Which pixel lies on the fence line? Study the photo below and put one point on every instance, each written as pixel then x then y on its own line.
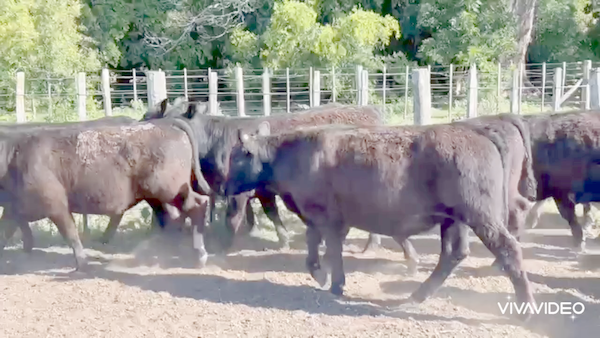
pixel 441 92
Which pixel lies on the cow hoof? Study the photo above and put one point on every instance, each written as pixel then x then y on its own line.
pixel 417 298
pixel 337 289
pixel 320 275
pixel 201 262
pixel 579 248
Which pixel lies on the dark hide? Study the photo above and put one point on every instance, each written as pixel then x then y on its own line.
pixel 102 170
pixel 26 233
pixel 395 181
pixel 217 135
pixel 566 153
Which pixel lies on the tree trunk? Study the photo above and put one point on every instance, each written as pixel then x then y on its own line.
pixel 524 10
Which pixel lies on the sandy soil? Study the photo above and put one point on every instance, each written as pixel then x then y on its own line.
pixel 144 286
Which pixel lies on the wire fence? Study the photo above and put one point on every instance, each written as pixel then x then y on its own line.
pixel 53 99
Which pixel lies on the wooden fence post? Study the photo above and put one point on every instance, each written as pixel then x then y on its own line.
pixel 157 87
pixel 81 97
pixel 316 95
pixel 422 96
pixel 595 89
pixel 472 95
pixel 287 90
pixel 239 77
pixel 106 92
pixel 134 79
pixel 266 91
pixel 364 88
pixel 185 84
pixel 514 90
pixel 557 92
pixel 543 86
pixel 383 87
pixel 450 91
pixel 20 102
pixel 212 93
pixel 310 85
pixel 521 85
pixel 585 92
pixel 333 91
pixel 406 85
pixel 358 81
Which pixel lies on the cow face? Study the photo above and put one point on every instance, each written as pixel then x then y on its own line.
pixel 246 167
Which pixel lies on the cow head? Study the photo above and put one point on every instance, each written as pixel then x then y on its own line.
pixel 164 109
pixel 246 163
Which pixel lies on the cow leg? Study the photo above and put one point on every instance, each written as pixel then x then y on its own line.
pixel 587 216
pixel 26 236
pixel 566 208
pixel 111 229
pixel 269 204
pixel 410 254
pixel 508 251
pixel 10 227
pixel 313 264
pixel 66 226
pixel 199 217
pixel 333 256
pixel 455 248
pixel 250 219
pixel 534 214
pixel 373 242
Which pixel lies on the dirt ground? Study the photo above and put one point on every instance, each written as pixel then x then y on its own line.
pixel 145 286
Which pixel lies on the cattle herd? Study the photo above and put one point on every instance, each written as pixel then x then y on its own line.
pixel 334 166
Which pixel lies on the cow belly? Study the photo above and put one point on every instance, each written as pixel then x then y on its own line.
pixel 102 193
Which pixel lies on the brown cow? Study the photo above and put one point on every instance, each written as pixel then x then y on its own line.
pixel 396 181
pixel 101 170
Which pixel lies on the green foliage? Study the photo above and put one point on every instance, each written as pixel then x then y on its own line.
pixel 294 38
pixel 561 32
pixel 466 32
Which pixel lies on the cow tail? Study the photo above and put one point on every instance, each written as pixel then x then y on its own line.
pixel 202 183
pixel 499 141
pixel 528 183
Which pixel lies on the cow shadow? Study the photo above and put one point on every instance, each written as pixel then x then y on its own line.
pixel 551 325
pixel 264 294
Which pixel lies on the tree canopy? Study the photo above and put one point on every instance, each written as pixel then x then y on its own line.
pixel 64 36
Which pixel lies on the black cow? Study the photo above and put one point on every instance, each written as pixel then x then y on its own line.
pixel 218 134
pixel 101 170
pixel 396 181
pixel 566 150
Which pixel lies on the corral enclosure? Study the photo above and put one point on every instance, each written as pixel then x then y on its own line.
pixel 142 285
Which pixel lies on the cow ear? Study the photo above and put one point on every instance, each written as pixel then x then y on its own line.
pixel 264 129
pixel 163 107
pixel 191 111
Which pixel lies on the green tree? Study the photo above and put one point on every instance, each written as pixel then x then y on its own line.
pixel 294 38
